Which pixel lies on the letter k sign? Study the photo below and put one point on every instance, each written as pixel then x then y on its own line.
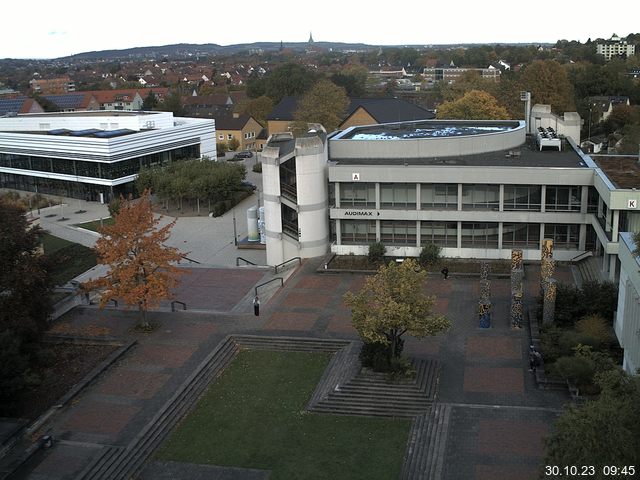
pixel 632 204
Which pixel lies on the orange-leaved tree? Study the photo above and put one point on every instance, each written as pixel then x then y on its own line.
pixel 142 270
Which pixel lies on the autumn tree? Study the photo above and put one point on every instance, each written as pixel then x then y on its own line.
pixel 326 103
pixel 549 84
pixel 257 108
pixel 392 303
pixel 474 105
pixel 142 269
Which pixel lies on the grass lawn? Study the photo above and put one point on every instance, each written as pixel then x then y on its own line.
pixel 253 417
pixel 68 259
pixel 95 225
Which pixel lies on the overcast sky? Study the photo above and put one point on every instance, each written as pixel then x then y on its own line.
pixel 47 29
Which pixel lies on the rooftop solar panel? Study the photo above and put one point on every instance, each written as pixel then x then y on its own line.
pixel 84 133
pixel 65 102
pixel 113 133
pixel 11 105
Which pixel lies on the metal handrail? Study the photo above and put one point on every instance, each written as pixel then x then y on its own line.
pixel 173 305
pixel 275 269
pixel 265 283
pixel 190 259
pixel 582 256
pixel 244 260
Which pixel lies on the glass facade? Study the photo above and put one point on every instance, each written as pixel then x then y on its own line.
pixel 398 195
pixel 357 195
pixel 439 196
pixel 480 197
pixel 398 232
pixel 521 235
pixel 563 199
pixel 522 197
pixel 565 237
pixel 442 234
pixel 356 232
pixel 479 235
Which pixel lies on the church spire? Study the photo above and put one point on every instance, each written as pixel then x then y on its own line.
pixel 310 37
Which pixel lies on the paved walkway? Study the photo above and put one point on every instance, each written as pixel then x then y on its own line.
pixel 498 417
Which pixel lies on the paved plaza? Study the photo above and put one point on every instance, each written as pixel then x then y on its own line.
pixel 498 415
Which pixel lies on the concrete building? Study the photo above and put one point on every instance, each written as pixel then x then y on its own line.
pixel 95 155
pixel 615 47
pixel 452 74
pixel 627 321
pixel 477 189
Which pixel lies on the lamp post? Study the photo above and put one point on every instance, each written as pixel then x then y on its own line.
pixel 590 108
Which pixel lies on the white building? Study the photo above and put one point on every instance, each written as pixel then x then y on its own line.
pixel 615 47
pixel 627 322
pixel 95 155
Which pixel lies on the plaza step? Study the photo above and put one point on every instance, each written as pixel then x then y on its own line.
pixel 290 344
pixel 372 393
pixel 124 464
pixel 589 269
pixel 424 458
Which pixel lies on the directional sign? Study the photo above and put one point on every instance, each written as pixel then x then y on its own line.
pixel 355 177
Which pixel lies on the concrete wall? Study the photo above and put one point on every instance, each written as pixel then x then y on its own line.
pixel 272 209
pixel 567 125
pixel 627 321
pixel 430 147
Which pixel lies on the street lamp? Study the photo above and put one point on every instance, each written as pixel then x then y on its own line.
pixel 590 108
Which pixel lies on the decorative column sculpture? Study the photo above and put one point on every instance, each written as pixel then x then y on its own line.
pixel 517 290
pixel 546 263
pixel 484 304
pixel 549 302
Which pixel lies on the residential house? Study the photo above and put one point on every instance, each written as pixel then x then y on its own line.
pixel 361 111
pixel 52 86
pixel 74 102
pixel 243 128
pixel 11 106
pixel 119 99
pixel 601 107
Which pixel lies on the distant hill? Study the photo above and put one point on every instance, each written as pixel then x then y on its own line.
pixel 190 49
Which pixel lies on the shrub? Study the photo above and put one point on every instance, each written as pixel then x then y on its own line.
pixel 577 369
pixel 377 356
pixel 233 144
pixel 257 167
pixel 114 206
pixel 595 327
pixel 376 252
pixel 429 255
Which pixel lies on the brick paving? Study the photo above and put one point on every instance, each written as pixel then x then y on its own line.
pixel 498 419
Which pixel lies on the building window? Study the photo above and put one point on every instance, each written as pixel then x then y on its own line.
pixel 398 233
pixel 592 200
pixel 439 196
pixel 563 199
pixel 442 234
pixel 362 195
pixel 229 136
pixel 480 197
pixel 398 195
pixel 480 235
pixel 522 197
pixel 521 235
pixel 358 232
pixel 221 137
pixel 565 237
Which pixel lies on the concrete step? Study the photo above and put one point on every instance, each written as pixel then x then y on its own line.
pixel 367 412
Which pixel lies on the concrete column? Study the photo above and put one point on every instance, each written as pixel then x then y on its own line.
pixel 582 239
pixel 543 198
pixel 336 192
pixel 607 221
pixel 459 201
pixel 612 267
pixel 500 234
pixel 541 235
pixel 418 239
pixel 600 203
pixel 501 203
pixel 378 199
pixel 605 260
pixel 378 233
pixel 338 231
pixel 584 199
pixel 614 227
pixel 418 197
pixel 459 232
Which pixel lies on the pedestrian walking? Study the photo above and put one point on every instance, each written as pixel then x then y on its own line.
pixel 445 272
pixel 256 306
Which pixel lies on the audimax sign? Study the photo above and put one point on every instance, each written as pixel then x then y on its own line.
pixel 360 213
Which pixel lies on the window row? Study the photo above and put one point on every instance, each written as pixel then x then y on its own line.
pixel 474 197
pixel 445 234
pixel 82 168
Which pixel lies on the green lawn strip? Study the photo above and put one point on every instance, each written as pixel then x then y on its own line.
pixel 95 225
pixel 253 417
pixel 68 259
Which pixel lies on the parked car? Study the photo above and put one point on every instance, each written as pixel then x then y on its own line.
pixel 245 154
pixel 248 185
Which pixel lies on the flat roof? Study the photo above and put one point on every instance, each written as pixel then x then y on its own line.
pixel 92 113
pixel 426 129
pixel 622 170
pixel 525 155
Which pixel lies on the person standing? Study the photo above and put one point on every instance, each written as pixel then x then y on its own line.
pixel 445 272
pixel 256 306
